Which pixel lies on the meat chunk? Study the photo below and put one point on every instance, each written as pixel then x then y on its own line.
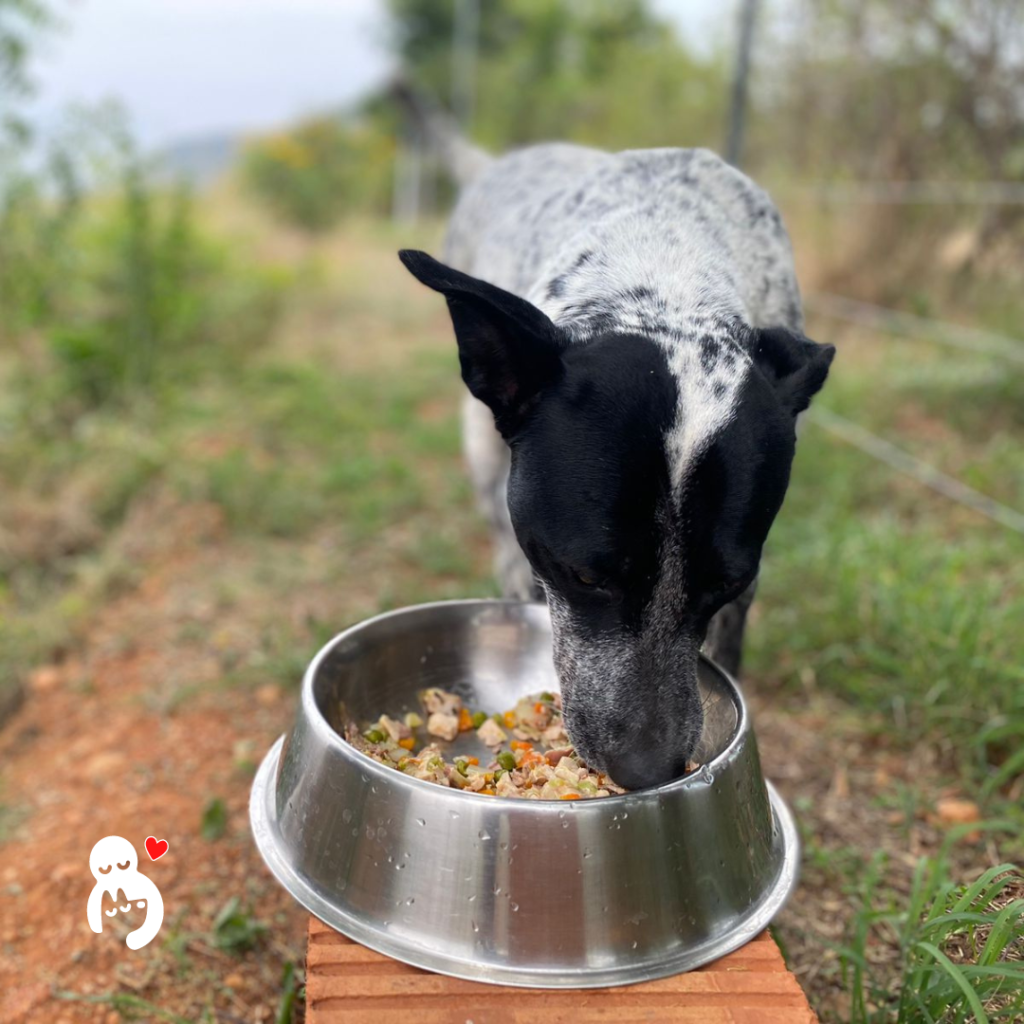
pixel 491 733
pixel 444 726
pixel 441 702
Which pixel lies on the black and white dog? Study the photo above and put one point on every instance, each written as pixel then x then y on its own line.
pixel 629 328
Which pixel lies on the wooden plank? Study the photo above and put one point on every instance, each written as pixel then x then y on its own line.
pixel 349 984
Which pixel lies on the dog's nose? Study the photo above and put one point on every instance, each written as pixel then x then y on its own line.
pixel 640 769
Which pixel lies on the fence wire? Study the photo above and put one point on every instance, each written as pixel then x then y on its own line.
pixel 884 451
pixel 878 318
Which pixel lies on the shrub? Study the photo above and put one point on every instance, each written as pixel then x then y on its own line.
pixel 314 174
pixel 112 291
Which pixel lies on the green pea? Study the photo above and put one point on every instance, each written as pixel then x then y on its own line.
pixel 478 719
pixel 506 760
pixel 374 735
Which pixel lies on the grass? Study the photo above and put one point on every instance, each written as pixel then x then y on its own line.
pixel 903 603
pixel 328 458
pixel 958 949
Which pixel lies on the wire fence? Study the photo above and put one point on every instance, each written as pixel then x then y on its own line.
pixel 892 321
pixel 896 458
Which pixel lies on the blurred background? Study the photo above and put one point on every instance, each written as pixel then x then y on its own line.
pixel 228 428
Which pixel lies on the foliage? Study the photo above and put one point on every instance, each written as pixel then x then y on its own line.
pixel 905 90
pixel 215 820
pixel 960 947
pixel 235 930
pixel 605 72
pixel 21 21
pixel 117 294
pixel 323 168
pixel 113 301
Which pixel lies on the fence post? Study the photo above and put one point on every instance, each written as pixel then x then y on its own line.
pixel 738 104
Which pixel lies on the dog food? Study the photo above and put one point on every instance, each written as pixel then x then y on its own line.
pixel 532 756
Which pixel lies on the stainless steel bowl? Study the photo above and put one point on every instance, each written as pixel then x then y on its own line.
pixel 552 894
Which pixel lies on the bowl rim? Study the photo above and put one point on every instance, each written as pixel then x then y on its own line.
pixel 327 733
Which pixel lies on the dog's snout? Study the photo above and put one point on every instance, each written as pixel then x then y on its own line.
pixel 639 769
pixel 638 750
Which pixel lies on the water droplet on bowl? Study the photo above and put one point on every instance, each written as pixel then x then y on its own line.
pixel 410 901
pixel 514 906
pixel 346 815
pixel 421 821
pixel 484 834
pixel 453 815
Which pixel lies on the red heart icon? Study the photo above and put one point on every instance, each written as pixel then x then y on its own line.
pixel 156 848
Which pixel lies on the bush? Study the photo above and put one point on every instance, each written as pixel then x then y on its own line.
pixel 314 174
pixel 110 294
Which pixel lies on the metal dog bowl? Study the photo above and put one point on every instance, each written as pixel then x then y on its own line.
pixel 552 894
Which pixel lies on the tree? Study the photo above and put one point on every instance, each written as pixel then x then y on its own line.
pixel 20 23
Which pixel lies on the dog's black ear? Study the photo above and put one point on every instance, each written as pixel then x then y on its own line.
pixel 508 349
pixel 796 366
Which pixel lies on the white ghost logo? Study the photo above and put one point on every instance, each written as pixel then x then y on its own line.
pixel 114 863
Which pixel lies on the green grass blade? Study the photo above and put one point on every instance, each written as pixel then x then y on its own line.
pixel 958 978
pixel 983 887
pixel 1003 930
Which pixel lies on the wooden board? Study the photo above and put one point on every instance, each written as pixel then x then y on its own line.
pixel 349 984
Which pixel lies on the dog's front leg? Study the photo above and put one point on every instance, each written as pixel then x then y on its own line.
pixel 724 641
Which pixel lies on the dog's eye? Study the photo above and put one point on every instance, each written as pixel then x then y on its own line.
pixel 125 865
pixel 587 580
pixel 106 870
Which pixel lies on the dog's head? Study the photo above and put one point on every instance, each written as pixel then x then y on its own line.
pixel 642 509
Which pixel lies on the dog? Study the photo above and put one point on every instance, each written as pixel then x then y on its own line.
pixel 630 330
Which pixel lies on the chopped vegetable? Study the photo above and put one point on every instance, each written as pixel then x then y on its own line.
pixel 478 719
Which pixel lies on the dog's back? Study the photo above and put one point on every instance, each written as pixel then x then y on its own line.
pixel 594 238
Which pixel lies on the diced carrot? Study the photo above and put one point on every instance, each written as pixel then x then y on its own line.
pixel 465 720
pixel 510 719
pixel 409 742
pixel 472 760
pixel 569 796
pixel 488 791
pixel 539 708
pixel 521 745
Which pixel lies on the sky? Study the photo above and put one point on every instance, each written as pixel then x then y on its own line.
pixel 189 68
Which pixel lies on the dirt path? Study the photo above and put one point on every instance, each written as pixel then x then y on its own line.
pixel 92 753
